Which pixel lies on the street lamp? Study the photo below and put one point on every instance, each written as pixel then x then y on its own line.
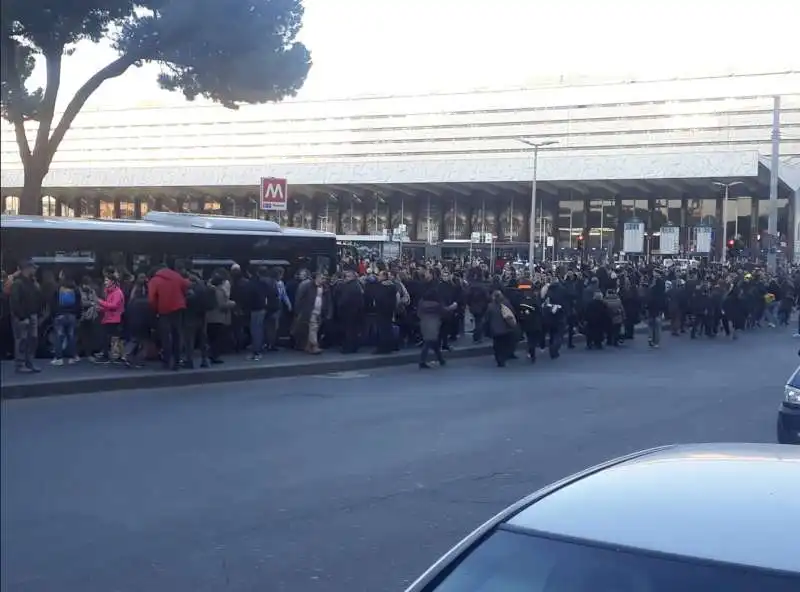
pixel 727 186
pixel 535 145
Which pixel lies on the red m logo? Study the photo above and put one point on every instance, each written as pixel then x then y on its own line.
pixel 274 194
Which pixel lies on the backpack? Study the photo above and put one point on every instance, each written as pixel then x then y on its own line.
pixel 201 298
pixel 273 300
pixel 66 298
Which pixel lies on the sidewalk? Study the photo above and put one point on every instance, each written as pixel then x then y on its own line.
pixel 86 377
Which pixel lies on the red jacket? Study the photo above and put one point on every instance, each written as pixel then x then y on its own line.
pixel 167 291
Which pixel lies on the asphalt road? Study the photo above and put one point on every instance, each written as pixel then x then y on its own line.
pixel 342 483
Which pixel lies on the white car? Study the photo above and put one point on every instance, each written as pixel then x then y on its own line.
pixel 695 518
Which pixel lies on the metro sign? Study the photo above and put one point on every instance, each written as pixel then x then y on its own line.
pixel 274 194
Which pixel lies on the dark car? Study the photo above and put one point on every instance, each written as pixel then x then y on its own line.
pixel 695 518
pixel 789 412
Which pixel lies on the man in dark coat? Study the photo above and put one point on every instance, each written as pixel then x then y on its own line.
pixel 349 301
pixel 597 319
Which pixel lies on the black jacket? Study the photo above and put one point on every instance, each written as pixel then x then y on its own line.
pixel 25 299
pixel 349 299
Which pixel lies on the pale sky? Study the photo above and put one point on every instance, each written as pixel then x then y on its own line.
pixel 381 47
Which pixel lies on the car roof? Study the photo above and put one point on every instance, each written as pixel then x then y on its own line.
pixel 736 503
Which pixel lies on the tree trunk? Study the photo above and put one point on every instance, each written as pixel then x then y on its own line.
pixel 30 202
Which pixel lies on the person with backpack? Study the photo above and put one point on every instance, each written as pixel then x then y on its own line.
pixel 200 300
pixel 263 297
pixel 67 309
pixel 218 321
pixel 276 300
pixel 139 321
pixel 166 292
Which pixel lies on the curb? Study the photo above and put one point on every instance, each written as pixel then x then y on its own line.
pixel 134 380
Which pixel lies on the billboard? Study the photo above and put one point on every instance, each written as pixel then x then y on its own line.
pixel 703 239
pixel 633 237
pixel 670 242
pixel 274 194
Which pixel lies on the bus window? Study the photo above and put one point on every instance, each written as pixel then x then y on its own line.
pixel 324 265
pixel 144 263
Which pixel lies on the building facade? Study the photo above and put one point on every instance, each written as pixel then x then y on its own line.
pixel 449 165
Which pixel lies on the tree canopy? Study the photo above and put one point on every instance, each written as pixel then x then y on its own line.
pixel 228 51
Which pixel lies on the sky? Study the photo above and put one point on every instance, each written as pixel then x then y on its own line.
pixel 386 47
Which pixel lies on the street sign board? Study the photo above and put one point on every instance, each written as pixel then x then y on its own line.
pixel 669 243
pixel 704 238
pixel 274 194
pixel 633 237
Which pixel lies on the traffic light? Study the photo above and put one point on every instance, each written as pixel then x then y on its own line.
pixel 580 241
pixel 735 248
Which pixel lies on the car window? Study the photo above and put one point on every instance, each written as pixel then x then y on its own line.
pixel 515 562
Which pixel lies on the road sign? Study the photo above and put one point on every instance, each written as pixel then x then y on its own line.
pixel 274 194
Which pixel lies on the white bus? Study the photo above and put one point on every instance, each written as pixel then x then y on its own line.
pixel 87 245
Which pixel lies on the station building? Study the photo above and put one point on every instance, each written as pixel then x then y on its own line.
pixel 448 165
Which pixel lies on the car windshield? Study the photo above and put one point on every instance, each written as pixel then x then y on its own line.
pixel 515 562
pixel 794 380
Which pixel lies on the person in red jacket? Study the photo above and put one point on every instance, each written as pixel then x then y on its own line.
pixel 166 292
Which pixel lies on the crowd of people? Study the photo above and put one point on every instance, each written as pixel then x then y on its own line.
pixel 175 315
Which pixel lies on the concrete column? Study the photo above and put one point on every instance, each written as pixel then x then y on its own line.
pixel 443 231
pixel 315 205
pixel 96 207
pixel 754 209
pixel 137 208
pixel 618 229
pixel 117 208
pixel 416 212
pixel 336 227
pixel 499 207
pixel 794 226
pixel 59 210
pixel 685 232
pixel 587 227
pixel 718 240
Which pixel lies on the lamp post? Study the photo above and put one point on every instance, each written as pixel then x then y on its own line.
pixel 724 254
pixel 535 145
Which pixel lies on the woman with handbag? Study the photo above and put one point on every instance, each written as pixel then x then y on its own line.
pixel 502 326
